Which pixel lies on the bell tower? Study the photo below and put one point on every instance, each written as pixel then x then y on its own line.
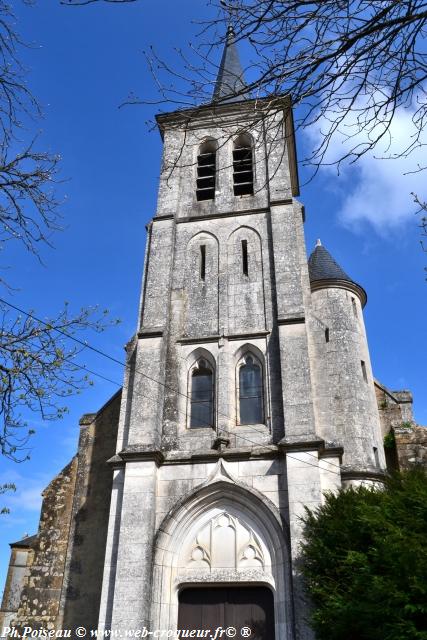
pixel 224 433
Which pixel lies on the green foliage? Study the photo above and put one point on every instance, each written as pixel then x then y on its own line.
pixel 389 440
pixel 5 488
pixel 406 425
pixel 365 562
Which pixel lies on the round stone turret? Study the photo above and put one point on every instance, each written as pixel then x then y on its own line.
pixel 344 394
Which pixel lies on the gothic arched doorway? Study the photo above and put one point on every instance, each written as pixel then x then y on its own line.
pixel 247 610
pixel 223 535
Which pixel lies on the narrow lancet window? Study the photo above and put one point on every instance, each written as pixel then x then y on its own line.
pixel 327 334
pixel 364 374
pixel 202 392
pixel 206 171
pixel 376 458
pixel 245 257
pixel 353 304
pixel 202 261
pixel 251 410
pixel 243 175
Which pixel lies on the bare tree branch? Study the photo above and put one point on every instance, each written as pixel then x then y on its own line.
pixel 38 369
pixel 75 3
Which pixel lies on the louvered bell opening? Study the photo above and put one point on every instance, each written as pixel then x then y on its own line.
pixel 243 177
pixel 205 176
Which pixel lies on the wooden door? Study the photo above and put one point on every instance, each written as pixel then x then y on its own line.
pixel 239 607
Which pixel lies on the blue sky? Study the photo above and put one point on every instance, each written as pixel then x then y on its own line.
pixel 82 65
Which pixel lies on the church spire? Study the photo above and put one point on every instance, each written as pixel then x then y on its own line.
pixel 230 75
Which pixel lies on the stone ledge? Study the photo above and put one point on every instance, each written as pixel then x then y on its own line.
pixel 151 332
pixel 210 455
pixel 87 418
pixel 308 442
pixel 225 214
pixel 135 453
pixel 297 319
pixel 363 474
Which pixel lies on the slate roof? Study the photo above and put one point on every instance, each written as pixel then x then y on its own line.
pixel 323 267
pixel 230 74
pixel 28 541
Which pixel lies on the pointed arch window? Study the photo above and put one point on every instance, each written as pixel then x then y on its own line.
pixel 201 395
pixel 243 174
pixel 206 170
pixel 251 391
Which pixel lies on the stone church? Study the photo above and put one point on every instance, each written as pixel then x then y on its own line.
pixel 248 393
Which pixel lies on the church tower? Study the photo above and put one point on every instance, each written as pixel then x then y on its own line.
pixel 248 390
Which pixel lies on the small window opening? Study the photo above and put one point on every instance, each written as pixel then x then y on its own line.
pixel 206 171
pixel 202 261
pixel 365 376
pixel 245 257
pixel 327 334
pixel 376 457
pixel 243 176
pixel 353 304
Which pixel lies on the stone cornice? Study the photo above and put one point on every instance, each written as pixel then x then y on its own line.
pixel 363 474
pixel 210 455
pixel 316 285
pixel 311 442
pixel 165 458
pixel 299 319
pixel 224 214
pixel 197 116
pixel 136 453
pixel 150 332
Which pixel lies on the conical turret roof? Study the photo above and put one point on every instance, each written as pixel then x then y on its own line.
pixel 325 271
pixel 230 85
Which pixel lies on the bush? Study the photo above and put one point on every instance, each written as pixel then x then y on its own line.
pixel 365 562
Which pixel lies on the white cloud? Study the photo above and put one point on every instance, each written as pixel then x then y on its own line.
pixel 27 496
pixel 375 190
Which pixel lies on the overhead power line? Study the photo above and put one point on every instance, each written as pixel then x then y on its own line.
pixel 102 353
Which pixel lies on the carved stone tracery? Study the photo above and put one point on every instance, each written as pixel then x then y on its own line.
pixel 224 542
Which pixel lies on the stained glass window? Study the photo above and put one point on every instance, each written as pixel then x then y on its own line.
pixel 201 396
pixel 250 392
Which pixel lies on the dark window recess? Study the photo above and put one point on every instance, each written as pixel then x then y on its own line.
pixel 353 304
pixel 365 375
pixel 250 393
pixel 201 397
pixel 326 335
pixel 206 165
pixel 245 257
pixel 202 261
pixel 243 176
pixel 376 458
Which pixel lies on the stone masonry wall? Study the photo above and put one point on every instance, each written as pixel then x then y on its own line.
pixel 42 587
pixel 409 446
pixel 85 559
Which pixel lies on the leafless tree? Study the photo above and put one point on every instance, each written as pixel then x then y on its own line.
pixel 348 64
pixel 422 212
pixel 38 368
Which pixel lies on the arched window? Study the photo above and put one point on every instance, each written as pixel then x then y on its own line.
pixel 243 175
pixel 251 401
pixel 201 395
pixel 206 170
